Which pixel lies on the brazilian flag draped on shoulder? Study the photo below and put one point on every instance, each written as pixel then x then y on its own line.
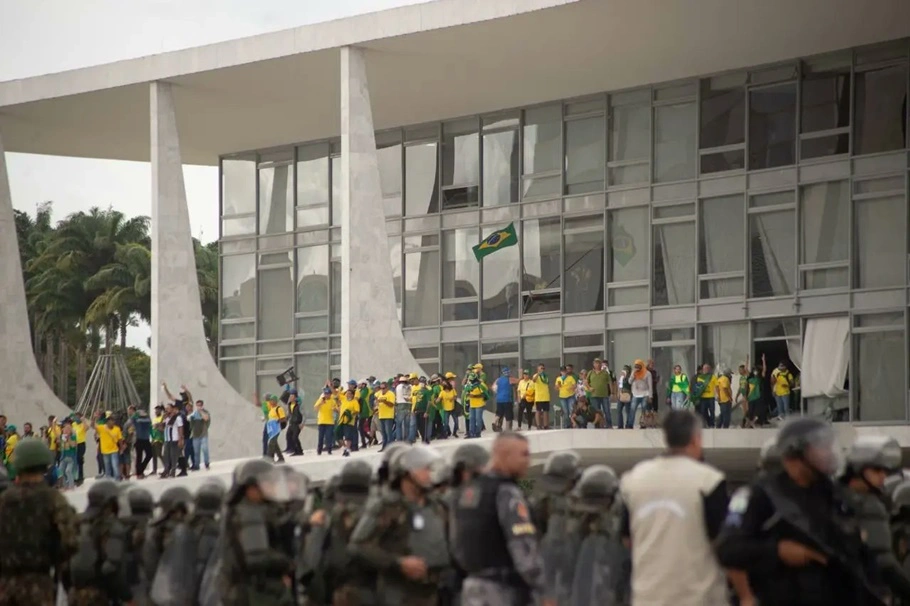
pixel 499 239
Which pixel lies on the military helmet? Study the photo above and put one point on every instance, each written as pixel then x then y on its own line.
pixel 355 477
pixel 560 471
pixel 330 489
pixel 140 500
pixel 880 452
pixel 900 495
pixel 103 493
pixel 382 473
pixel 411 459
pixel 596 486
pixel 174 498
pixel 248 472
pixel 209 496
pixel 31 454
pixel 813 441
pixel 470 456
pixel 769 455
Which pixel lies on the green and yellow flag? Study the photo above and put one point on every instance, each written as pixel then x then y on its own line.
pixel 501 238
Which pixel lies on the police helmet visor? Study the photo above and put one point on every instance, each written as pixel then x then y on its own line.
pixel 279 487
pixel 822 451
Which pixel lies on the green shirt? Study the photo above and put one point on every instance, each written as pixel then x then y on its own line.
pixel 600 381
pixel 754 388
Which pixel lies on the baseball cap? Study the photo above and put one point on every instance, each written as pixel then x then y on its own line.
pixel 326 390
pixel 352 382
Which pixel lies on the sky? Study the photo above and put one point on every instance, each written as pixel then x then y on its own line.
pixel 45 36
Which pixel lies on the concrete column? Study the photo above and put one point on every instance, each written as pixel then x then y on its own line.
pixel 26 397
pixel 371 339
pixel 180 354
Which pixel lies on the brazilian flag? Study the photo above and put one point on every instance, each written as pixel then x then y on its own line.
pixel 501 238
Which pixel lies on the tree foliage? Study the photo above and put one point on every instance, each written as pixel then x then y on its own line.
pixel 88 282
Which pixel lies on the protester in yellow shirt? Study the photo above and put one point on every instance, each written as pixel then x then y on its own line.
pixel 347 418
pixel 724 394
pixel 325 407
pixel 384 401
pixel 109 436
pixel 79 430
pixel 565 383
pixel 542 397
pixel 781 386
pixel 445 402
pixel 526 398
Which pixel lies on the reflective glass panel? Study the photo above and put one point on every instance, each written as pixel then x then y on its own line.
pixel 725 347
pixel 668 356
pixel 723 115
pixel 628 244
pixel 584 272
pixel 276 199
pixel 500 168
pixel 722 161
pixel 674 142
pixel 772 253
pixel 276 303
pixel 241 374
pixel 336 190
pixel 421 191
pixel 388 152
pixel 544 350
pixel 312 372
pixel 825 216
pixel 585 155
pixel 630 133
pixel 501 282
pixel 238 286
pixel 882 365
pixel 543 139
pixel 835 277
pixel 626 346
pixel 456 357
pixel 541 247
pixel 881 236
pixel 238 226
pixel 721 225
pixel 674 264
pixel 395 261
pixel 313 278
pixel 421 288
pixel 335 302
pixel 460 162
pixel 881 110
pixel 313 175
pixel 238 179
pixel 772 126
pixel 460 270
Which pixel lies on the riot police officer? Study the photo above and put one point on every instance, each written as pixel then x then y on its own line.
pixel 601 563
pixel 793 532
pixel 382 472
pixel 254 570
pixel 173 508
pixel 99 570
pixel 769 456
pixel 468 460
pixel 869 462
pixel 402 533
pixel 900 523
pixel 38 530
pixel 496 541
pixel 560 472
pixel 135 522
pixel 203 522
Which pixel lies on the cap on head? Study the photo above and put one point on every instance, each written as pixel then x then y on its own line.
pixel 352 382
pixel 450 375
pixel 32 455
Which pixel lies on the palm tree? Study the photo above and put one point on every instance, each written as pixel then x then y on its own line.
pixel 207 276
pixel 125 286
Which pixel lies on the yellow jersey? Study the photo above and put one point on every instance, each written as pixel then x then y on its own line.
pixel 722 389
pixel 447 396
pixel 109 439
pixel 325 410
pixel 782 382
pixel 476 398
pixel 53 437
pixel 386 404
pixel 79 430
pixel 566 385
pixel 541 390
pixel 349 406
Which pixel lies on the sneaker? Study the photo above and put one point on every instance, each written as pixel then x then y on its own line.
pixel 182 474
pixel 207 467
pixel 346 453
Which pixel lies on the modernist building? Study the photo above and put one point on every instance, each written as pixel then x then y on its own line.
pixel 704 180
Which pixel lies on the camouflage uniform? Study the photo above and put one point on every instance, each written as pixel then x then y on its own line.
pixel 38 531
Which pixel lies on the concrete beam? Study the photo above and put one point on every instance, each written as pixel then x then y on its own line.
pixel 371 339
pixel 26 395
pixel 180 353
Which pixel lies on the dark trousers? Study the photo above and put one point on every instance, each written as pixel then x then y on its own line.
pixel 189 454
pixel 726 411
pixel 265 441
pixel 364 426
pixel 99 459
pixel 326 438
pixel 170 458
pixel 143 455
pixel 293 439
pixel 706 410
pixel 157 455
pixel 273 451
pixel 80 461
pixel 526 411
pixel 351 435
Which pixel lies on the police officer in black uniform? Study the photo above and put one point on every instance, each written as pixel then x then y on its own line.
pixel 869 462
pixel 793 532
pixel 496 542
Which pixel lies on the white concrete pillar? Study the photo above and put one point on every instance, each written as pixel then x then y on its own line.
pixel 180 354
pixel 371 339
pixel 26 395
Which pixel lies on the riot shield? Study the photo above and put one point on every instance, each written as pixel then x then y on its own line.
pixel 599 572
pixel 209 591
pixel 559 549
pixel 175 580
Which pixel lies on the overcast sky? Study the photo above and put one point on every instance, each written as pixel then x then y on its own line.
pixel 45 36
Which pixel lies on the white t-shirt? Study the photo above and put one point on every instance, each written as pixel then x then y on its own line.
pixel 171 430
pixel 642 388
pixel 403 394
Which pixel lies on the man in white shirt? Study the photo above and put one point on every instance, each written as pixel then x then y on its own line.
pixel 173 441
pixel 674 506
pixel 403 406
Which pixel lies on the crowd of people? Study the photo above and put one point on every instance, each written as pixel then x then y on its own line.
pixel 811 529
pixel 408 407
pixel 176 436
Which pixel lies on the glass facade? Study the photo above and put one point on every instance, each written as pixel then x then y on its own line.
pixel 703 220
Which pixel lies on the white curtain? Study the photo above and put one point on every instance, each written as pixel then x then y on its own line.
pixel 826 355
pixel 779 260
pixel 677 243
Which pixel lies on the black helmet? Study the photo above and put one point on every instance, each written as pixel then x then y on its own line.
pixel 813 441
pixel 560 471
pixel 596 487
pixel 103 493
pixel 32 455
pixel 382 473
pixel 355 477
pixel 879 452
pixel 769 456
pixel 209 497
pixel 174 499
pixel 140 500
